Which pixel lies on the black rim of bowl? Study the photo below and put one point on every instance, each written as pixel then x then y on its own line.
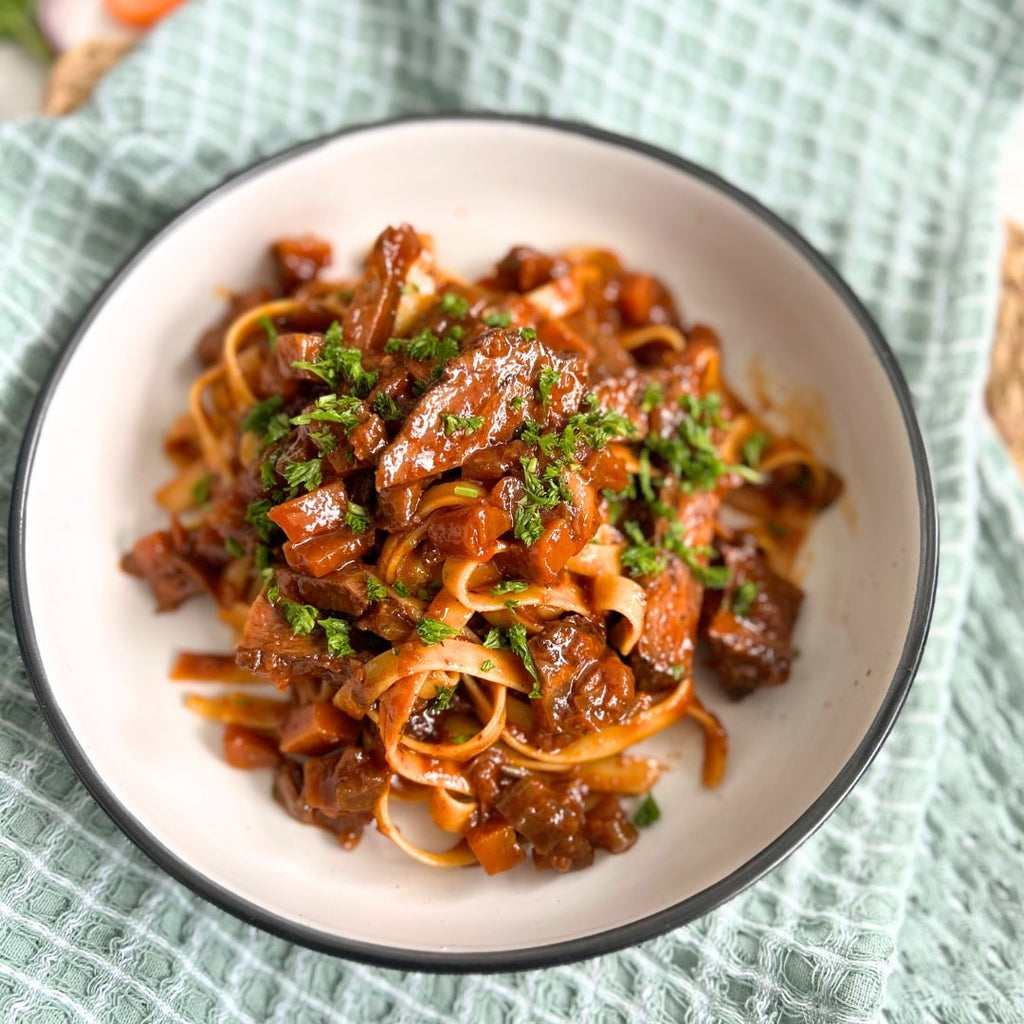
pixel 589 945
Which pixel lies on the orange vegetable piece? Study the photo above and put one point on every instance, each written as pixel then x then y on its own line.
pixel 317 728
pixel 244 748
pixel 140 13
pixel 494 844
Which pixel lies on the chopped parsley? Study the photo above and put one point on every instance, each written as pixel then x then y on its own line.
pixel 544 490
pixel 467 491
pixel 518 646
pixel 653 396
pixel 201 490
pixel 753 448
pixel 343 409
pixel 268 474
pixel 357 519
pixel 514 640
pixel 468 424
pixel 676 672
pixel 714 577
pixel 306 475
pixel 324 440
pixel 270 331
pixel 647 813
pixel 433 632
pixel 487 665
pixel 640 557
pixel 301 617
pixel 338 632
pixel 691 454
pixel 336 364
pixel 518 402
pixel 385 407
pixel 266 421
pixel 256 516
pixel 261 558
pixel 741 600
pixel 442 698
pixel 375 590
pixel 454 305
pixel 463 737
pixel 427 345
pixel 497 318
pixel 546 381
pixel 233 548
pixel 527 334
pixel 401 589
pixel 509 587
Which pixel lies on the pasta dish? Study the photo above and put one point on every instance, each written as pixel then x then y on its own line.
pixel 477 533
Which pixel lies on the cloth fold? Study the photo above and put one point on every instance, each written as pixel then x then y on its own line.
pixel 876 130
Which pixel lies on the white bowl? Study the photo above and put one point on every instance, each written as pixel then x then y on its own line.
pixel 98 655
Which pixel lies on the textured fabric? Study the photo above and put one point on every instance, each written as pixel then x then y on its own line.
pixel 875 128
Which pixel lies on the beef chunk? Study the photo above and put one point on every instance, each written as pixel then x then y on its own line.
pixel 584 684
pixel 300 259
pixel 664 653
pixel 371 316
pixel 751 637
pixel 343 590
pixel 551 817
pixel 482 381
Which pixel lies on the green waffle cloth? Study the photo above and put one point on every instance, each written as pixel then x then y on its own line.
pixel 876 128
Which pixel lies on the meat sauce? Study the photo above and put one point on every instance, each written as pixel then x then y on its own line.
pixel 441 512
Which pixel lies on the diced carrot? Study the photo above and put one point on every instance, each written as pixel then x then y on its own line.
pixel 317 728
pixel 140 13
pixel 244 748
pixel 197 666
pixel 317 512
pixel 494 844
pixel 240 709
pixel 317 556
pixel 636 296
pixel 470 532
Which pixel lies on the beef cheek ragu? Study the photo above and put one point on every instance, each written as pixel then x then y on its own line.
pixel 473 532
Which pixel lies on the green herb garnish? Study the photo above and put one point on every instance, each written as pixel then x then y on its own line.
pixel 647 813
pixel 265 421
pixel 640 557
pixel 442 698
pixel 301 617
pixel 468 424
pixel 306 475
pixel 509 587
pixel 546 380
pixel 384 406
pixel 233 548
pixel 357 519
pixel 338 631
pixel 518 646
pixel 753 448
pixel 433 632
pixel 653 396
pixel 256 516
pixel 497 318
pixel 741 600
pixel 343 409
pixel 201 490
pixel 375 590
pixel 454 305
pixel 270 331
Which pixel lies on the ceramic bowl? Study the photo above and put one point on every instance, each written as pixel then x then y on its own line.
pixel 792 332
